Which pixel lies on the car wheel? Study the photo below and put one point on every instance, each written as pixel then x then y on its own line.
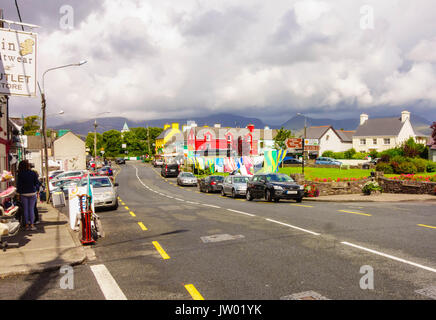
pixel 222 192
pixel 115 207
pixel 299 200
pixel 249 197
pixel 268 196
pixel 233 194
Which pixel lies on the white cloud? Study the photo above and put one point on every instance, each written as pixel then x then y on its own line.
pixel 181 58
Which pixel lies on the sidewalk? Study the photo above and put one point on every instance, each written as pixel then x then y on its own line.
pixel 384 197
pixel 53 245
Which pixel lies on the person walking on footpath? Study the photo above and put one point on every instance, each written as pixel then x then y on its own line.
pixel 27 182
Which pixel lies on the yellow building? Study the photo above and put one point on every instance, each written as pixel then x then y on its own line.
pixel 166 137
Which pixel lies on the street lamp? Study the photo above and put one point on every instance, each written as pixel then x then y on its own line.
pixel 305 126
pixel 44 123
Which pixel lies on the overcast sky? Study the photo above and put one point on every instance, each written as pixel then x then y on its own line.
pixel 268 59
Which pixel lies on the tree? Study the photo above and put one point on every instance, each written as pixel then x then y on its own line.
pixel 112 143
pixel 281 137
pixel 31 125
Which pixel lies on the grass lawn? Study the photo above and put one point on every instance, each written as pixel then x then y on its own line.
pixel 322 173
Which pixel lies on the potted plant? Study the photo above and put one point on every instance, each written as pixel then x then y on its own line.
pixel 371 186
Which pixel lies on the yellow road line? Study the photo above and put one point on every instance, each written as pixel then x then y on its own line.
pixel 360 213
pixel 127 208
pixel 132 214
pixel 193 292
pixel 160 250
pixel 425 226
pixel 301 205
pixel 144 228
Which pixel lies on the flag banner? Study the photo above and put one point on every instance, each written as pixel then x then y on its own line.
pixel 219 164
pixel 273 159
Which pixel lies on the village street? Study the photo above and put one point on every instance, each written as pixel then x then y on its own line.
pixel 168 242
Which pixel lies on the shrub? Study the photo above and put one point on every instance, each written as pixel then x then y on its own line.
pixel 386 168
pixel 328 154
pixel 371 186
pixel 420 164
pixel 339 155
pixel 359 156
pixel 390 153
pixel 349 153
pixel 373 154
pixel 406 167
pixel 311 191
pixel 431 166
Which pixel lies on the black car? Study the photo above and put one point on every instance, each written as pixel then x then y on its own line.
pixel 120 161
pixel 274 186
pixel 211 184
pixel 292 161
pixel 170 170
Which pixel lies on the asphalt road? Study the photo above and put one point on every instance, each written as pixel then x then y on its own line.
pixel 156 247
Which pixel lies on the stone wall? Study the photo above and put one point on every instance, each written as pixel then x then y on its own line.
pixel 355 187
pixel 410 187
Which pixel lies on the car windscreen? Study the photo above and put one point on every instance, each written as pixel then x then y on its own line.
pixel 278 178
pixel 97 183
pixel 217 178
pixel 240 179
pixel 187 175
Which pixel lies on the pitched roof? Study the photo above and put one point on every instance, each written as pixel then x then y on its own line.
pixel 345 136
pixel 380 127
pixel 316 132
pixel 163 134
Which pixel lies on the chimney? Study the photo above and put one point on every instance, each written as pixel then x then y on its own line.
pixel 175 126
pixel 405 115
pixel 167 126
pixel 250 127
pixel 363 118
pixel 217 125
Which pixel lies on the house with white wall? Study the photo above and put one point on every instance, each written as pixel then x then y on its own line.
pixel 330 139
pixel 70 151
pixel 382 133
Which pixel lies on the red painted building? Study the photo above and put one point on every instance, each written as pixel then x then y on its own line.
pixel 210 141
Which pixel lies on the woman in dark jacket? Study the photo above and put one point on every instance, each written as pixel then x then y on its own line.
pixel 27 181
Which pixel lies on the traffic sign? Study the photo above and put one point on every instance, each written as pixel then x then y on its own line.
pixel 294 143
pixel 311 142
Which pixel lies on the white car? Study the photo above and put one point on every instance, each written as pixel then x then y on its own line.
pixel 104 192
pixel 67 175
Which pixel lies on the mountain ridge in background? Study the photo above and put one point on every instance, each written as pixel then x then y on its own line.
pixel 294 124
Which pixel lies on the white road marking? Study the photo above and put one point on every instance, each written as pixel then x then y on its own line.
pixel 191 202
pixel 107 283
pixel 247 214
pixel 294 227
pixel 389 256
pixel 210 205
pixel 178 199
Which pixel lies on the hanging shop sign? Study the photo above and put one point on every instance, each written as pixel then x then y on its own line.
pixel 18 62
pixel 311 142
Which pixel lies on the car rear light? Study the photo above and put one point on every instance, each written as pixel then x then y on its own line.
pixel 213 183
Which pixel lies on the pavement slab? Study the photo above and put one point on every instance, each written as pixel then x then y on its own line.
pixel 51 246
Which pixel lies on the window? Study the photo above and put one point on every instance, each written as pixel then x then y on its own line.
pixel 374 141
pixel 229 138
pixel 327 138
pixel 387 141
pixel 208 137
pixel 362 141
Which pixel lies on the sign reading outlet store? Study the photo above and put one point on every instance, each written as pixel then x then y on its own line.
pixel 18 61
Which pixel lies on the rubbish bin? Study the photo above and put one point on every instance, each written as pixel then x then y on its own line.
pixel 58 199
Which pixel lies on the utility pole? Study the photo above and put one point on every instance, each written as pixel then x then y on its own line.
pixel 95 142
pixel 44 133
pixel 148 138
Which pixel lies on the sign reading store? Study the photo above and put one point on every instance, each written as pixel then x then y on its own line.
pixel 18 62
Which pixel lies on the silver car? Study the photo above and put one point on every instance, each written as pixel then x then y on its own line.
pixel 235 185
pixel 104 192
pixel 187 179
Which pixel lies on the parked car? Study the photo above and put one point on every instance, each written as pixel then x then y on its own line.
pixel 292 161
pixel 273 187
pixel 120 161
pixel 104 192
pixel 368 164
pixel 211 184
pixel 327 161
pixel 235 185
pixel 64 185
pixel 187 179
pixel 67 175
pixel 170 170
pixel 106 171
pixel 55 173
pixel 157 162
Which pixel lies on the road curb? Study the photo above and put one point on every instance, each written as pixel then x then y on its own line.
pixel 355 200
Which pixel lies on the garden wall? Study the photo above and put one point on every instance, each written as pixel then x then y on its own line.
pixel 404 186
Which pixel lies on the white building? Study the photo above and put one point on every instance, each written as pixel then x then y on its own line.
pixel 382 133
pixel 70 150
pixel 330 139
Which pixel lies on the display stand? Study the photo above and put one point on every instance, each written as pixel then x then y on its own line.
pixel 9 226
pixel 86 219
